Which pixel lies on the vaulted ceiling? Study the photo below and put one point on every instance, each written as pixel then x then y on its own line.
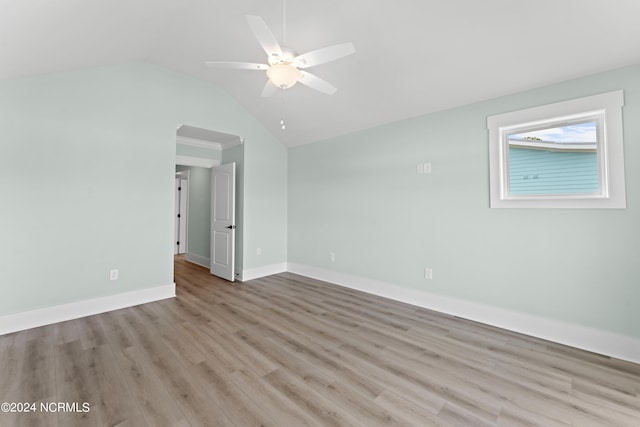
pixel 412 57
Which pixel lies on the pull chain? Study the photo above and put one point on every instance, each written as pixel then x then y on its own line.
pixel 282 124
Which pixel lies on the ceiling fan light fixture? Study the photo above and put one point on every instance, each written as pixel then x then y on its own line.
pixel 284 75
pixel 283 65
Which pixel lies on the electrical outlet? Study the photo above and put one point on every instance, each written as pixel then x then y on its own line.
pixel 332 256
pixel 428 273
pixel 259 251
pixel 422 168
pixel 113 274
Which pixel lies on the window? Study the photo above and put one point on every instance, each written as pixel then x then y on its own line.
pixel 563 155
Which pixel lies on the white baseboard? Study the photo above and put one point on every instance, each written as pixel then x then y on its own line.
pixel 197 259
pixel 244 275
pixel 595 340
pixel 60 313
pixel 266 270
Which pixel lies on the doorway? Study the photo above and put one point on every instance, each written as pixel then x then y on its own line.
pixel 198 152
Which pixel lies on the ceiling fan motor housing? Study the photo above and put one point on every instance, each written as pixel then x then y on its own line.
pixel 287 57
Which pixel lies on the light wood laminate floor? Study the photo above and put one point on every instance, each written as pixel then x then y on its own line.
pixel 291 351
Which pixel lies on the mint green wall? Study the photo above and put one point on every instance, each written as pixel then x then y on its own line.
pixel 88 160
pixel 265 206
pixel 360 197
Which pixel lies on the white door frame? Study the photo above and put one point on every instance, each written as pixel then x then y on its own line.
pixel 181 208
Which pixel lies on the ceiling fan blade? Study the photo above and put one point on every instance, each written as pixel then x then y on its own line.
pixel 269 89
pixel 326 54
pixel 315 82
pixel 264 35
pixel 237 65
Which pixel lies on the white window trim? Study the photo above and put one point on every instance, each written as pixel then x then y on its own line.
pixel 611 152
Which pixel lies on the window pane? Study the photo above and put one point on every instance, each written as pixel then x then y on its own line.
pixel 561 160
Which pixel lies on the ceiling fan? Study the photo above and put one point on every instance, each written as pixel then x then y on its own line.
pixel 284 68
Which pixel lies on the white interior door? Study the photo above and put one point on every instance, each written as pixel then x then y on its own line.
pixel 181 217
pixel 223 212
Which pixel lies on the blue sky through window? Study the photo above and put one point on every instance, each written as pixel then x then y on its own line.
pixel 580 132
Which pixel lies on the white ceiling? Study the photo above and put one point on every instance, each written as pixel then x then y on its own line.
pixel 412 56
